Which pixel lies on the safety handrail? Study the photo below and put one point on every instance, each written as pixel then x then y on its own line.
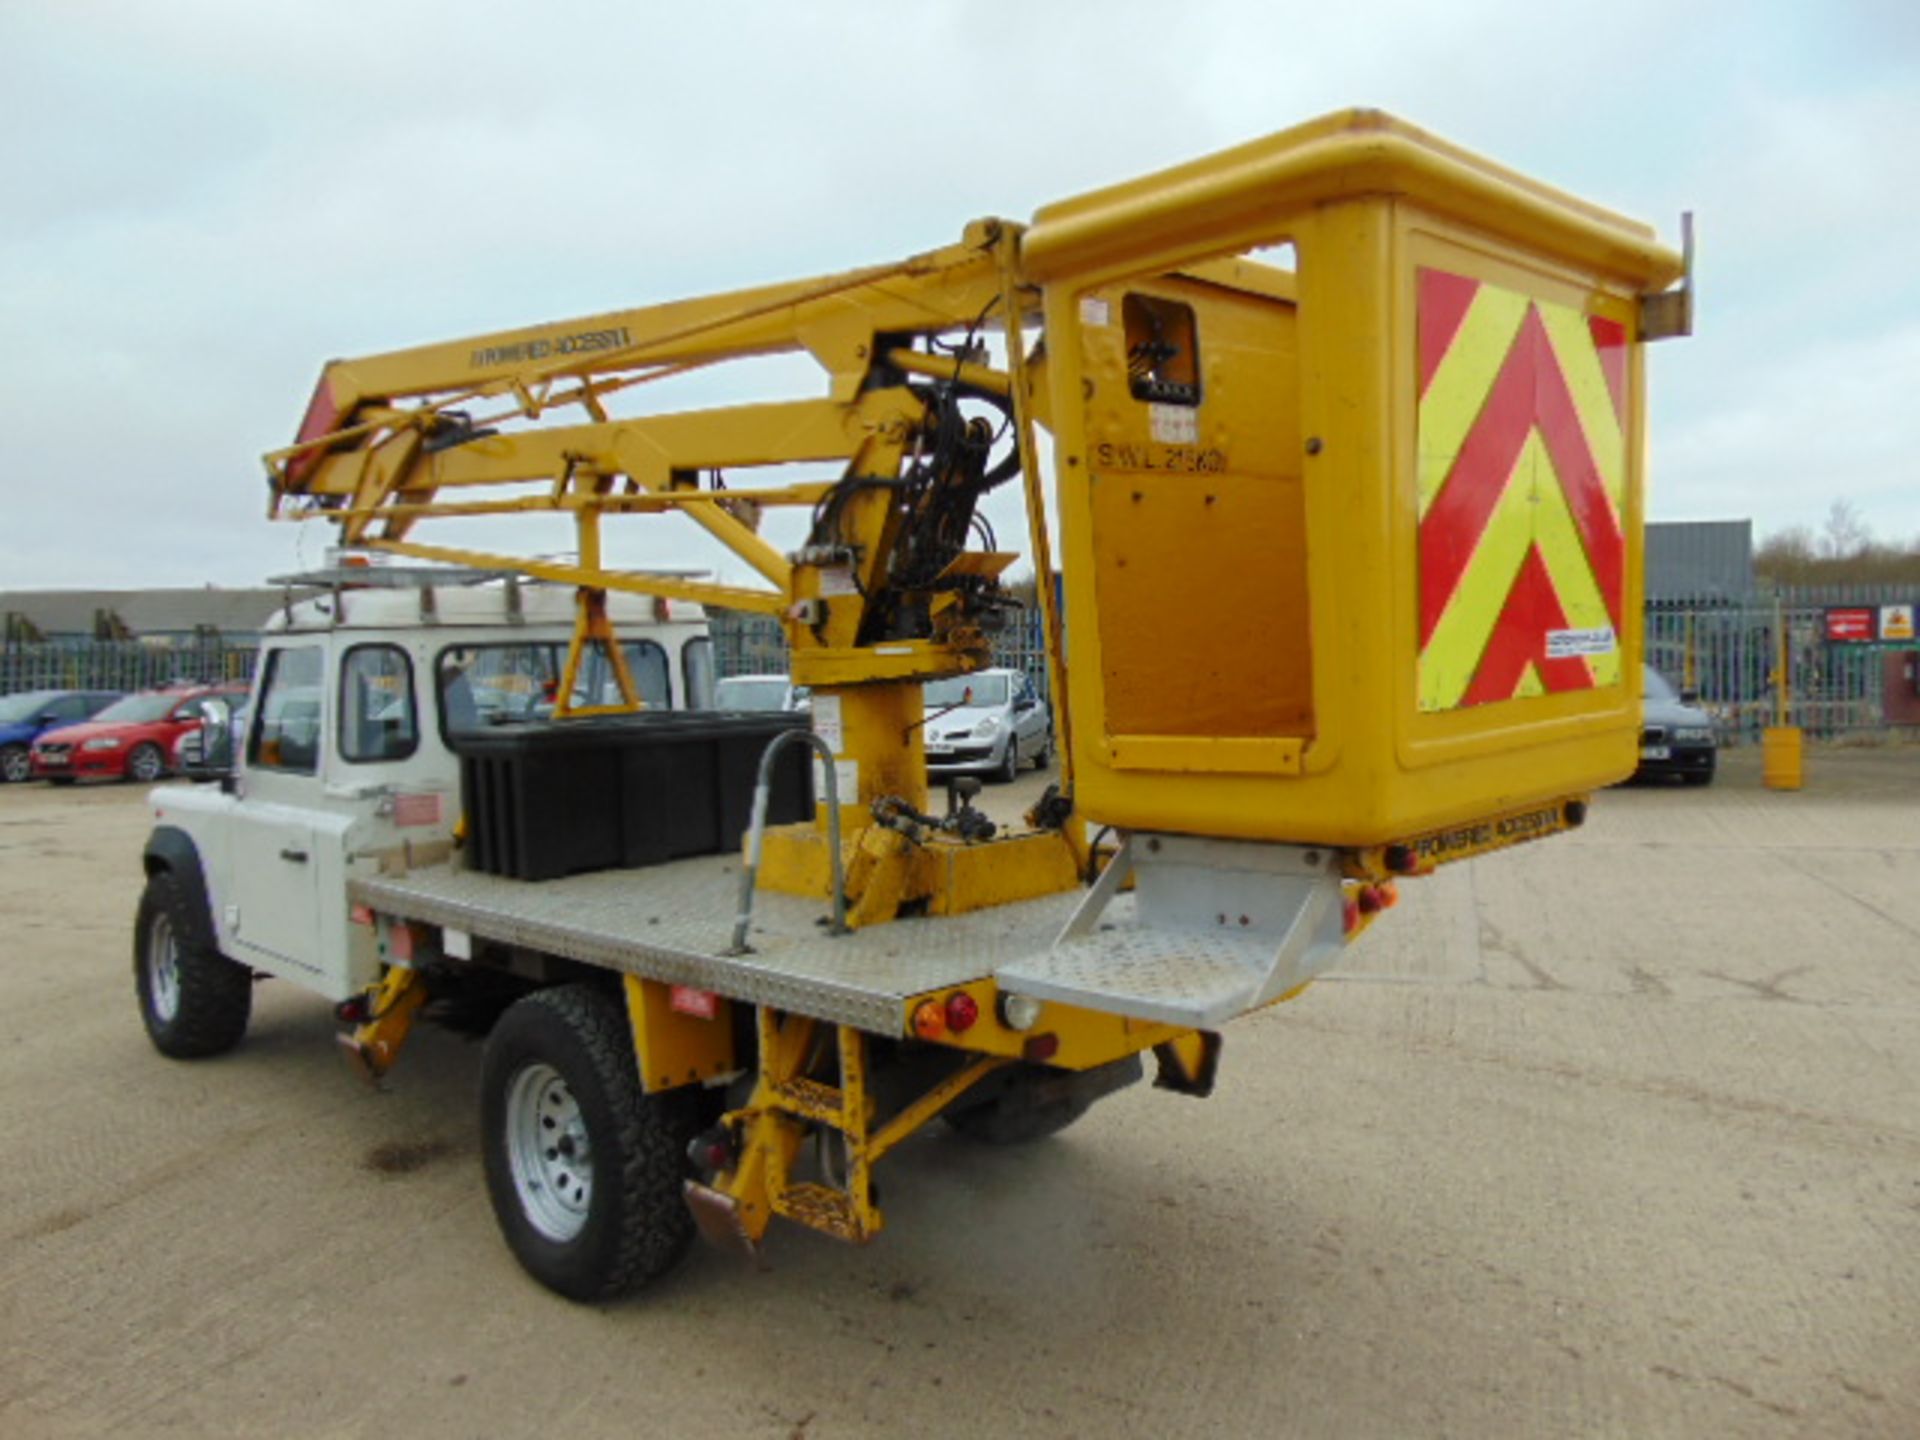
pixel 757 835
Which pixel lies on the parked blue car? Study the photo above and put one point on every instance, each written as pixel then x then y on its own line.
pixel 25 715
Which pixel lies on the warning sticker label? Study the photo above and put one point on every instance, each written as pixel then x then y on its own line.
pixel 826 722
pixel 1173 424
pixel 1565 644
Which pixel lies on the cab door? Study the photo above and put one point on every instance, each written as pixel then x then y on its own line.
pixel 270 912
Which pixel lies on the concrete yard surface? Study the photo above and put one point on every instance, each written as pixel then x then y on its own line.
pixel 1612 1135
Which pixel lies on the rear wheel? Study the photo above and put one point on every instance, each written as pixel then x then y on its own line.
pixel 1020 1114
pixel 15 764
pixel 146 765
pixel 194 1001
pixel 585 1171
pixel 1698 777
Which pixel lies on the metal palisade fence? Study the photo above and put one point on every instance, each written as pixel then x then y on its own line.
pixel 1729 653
pixel 120 664
pixel 1723 650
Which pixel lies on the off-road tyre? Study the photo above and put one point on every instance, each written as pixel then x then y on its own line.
pixel 145 764
pixel 1013 1118
pixel 636 1224
pixel 193 1000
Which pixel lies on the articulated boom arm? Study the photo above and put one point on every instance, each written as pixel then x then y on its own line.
pixel 883 594
pixel 465 429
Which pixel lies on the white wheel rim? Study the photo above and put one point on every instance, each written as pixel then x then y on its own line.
pixel 163 970
pixel 549 1152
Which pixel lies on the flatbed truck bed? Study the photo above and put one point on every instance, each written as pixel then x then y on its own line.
pixel 674 922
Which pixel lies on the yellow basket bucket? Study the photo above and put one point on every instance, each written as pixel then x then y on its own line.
pixel 1352 544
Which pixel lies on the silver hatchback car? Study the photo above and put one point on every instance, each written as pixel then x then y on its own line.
pixel 989 723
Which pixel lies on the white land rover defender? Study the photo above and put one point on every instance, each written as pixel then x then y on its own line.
pixel 344 761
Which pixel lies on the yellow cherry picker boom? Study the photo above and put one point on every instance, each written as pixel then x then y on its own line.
pixel 1349 546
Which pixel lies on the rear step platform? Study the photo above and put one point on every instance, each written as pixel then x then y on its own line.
pixel 1214 928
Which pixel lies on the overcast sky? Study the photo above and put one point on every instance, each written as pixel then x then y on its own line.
pixel 202 200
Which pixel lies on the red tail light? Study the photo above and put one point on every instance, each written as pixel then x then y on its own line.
pixel 962 1011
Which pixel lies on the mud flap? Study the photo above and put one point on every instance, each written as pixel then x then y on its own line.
pixel 1187 1066
pixel 717 1217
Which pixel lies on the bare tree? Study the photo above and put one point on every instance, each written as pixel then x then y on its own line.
pixel 1844 552
pixel 1846 535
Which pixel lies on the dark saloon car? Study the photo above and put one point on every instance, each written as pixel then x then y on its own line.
pixel 1675 738
pixel 24 716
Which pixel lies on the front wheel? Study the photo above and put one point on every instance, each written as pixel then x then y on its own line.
pixel 16 766
pixel 1008 769
pixel 194 1001
pixel 585 1172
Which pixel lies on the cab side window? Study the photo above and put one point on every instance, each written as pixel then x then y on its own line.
pixel 378 717
pixel 286 731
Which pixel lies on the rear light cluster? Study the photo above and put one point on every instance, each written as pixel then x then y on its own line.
pixel 934 1019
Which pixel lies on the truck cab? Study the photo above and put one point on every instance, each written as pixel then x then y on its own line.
pixel 346 756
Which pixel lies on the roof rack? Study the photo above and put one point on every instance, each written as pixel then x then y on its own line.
pixel 388 577
pixel 339 578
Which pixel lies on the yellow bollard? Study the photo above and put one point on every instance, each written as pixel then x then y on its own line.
pixel 1781 757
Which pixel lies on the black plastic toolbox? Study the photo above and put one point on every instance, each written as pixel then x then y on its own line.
pixel 560 797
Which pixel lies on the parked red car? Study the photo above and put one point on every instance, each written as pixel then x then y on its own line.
pixel 132 739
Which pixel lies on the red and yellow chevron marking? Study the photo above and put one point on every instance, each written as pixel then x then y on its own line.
pixel 1522 483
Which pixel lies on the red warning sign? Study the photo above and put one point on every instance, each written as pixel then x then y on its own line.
pixel 1851 625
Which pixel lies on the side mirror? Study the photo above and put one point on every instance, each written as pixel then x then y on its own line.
pixel 207 753
pixel 1690 696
